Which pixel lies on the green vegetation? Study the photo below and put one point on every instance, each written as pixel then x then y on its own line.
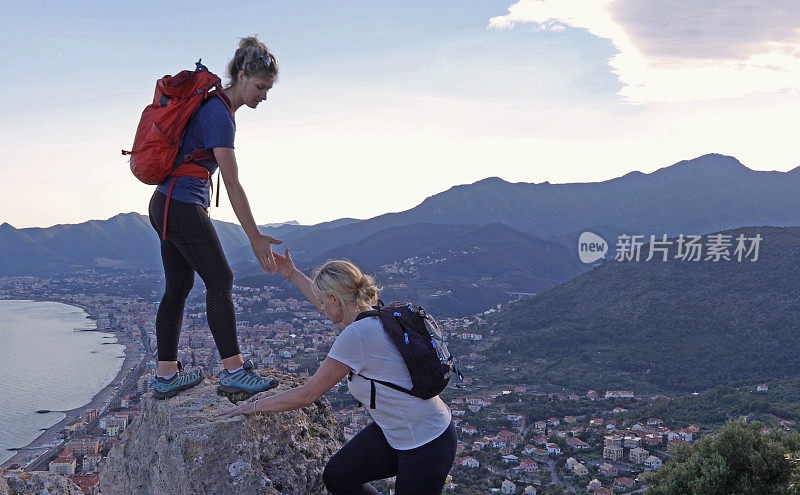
pixel 674 326
pixel 544 406
pixel 739 459
pixel 475 481
pixel 719 404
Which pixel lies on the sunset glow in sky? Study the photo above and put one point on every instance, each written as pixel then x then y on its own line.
pixel 433 93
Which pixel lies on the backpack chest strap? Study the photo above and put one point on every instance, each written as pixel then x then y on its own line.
pixel 372 383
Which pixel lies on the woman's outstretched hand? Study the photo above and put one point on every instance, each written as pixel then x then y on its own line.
pixel 284 265
pixel 286 269
pixel 261 248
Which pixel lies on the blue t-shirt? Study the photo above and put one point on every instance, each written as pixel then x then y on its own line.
pixel 212 126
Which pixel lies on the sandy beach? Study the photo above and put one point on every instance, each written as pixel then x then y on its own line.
pixel 50 437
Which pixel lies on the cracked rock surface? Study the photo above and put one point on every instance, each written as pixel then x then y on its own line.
pixel 179 446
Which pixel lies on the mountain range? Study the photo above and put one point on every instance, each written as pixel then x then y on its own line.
pixel 707 194
pixel 479 241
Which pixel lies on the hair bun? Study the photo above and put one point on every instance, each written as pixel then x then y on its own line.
pixel 253 41
pixel 347 281
pixel 250 50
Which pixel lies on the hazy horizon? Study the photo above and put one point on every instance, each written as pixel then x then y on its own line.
pixel 325 220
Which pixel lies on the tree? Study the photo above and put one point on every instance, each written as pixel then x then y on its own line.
pixel 738 460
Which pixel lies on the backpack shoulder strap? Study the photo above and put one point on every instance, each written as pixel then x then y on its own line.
pixel 366 314
pixel 375 311
pixel 225 100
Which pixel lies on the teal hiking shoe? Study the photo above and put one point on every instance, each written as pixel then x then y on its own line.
pixel 244 383
pixel 164 389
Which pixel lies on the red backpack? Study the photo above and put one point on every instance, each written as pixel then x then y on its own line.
pixel 159 136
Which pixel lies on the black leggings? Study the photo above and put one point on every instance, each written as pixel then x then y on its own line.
pixel 368 457
pixel 192 246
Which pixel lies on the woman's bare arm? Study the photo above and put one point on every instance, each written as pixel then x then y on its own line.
pixel 226 159
pixel 285 267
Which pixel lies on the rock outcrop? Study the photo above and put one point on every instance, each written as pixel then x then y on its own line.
pixel 180 446
pixel 36 483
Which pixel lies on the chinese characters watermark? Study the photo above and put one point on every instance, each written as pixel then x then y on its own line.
pixel 712 247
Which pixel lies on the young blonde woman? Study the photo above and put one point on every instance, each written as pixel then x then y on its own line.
pixel 410 438
pixel 191 244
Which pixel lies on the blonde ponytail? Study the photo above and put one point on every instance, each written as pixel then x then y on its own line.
pixel 346 281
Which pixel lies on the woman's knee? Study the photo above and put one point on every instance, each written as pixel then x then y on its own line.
pixel 218 281
pixel 178 290
pixel 339 477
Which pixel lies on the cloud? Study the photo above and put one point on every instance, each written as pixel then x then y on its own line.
pixel 682 50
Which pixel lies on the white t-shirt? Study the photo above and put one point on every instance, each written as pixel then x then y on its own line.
pixel 407 421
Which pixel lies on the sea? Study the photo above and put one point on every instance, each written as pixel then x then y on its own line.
pixel 46 365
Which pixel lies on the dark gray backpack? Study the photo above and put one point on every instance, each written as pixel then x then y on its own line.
pixel 421 343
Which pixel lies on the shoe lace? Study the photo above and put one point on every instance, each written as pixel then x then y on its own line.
pixel 252 374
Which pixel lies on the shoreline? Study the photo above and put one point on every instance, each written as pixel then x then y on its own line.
pixel 50 436
pixel 92 313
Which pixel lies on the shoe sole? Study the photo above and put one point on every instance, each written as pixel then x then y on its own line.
pixel 236 394
pixel 173 392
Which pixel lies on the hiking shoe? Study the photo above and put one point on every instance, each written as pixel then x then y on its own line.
pixel 164 389
pixel 244 382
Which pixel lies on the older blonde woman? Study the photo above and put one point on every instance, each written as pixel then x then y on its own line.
pixel 410 438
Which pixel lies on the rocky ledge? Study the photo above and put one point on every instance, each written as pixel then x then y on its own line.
pixel 36 483
pixel 179 446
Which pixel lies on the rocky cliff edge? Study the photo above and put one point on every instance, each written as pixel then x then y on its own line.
pixel 36 483
pixel 180 446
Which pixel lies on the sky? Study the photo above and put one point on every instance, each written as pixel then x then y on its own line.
pixel 381 104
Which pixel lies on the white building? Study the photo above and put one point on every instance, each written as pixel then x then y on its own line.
pixel 638 455
pixel 63 465
pixel 580 470
pixel 619 394
pixel 652 463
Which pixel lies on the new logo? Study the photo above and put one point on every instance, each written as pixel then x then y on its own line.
pixel 591 247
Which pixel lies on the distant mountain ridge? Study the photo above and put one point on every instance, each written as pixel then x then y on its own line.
pixel 517 260
pixel 124 241
pixel 453 270
pixel 706 194
pixel 459 269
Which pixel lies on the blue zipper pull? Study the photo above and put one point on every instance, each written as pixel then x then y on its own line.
pixel 434 343
pixel 406 337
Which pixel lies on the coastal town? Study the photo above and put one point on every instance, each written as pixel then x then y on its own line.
pixel 597 446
